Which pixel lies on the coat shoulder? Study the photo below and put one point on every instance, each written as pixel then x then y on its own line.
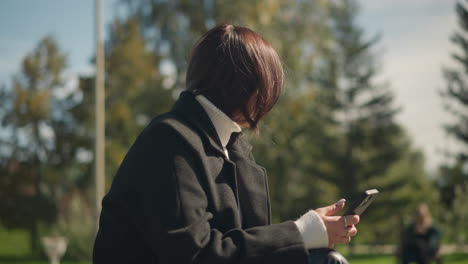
pixel 169 128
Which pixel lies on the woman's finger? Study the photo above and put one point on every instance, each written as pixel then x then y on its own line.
pixel 352 231
pixel 343 239
pixel 349 231
pixel 331 209
pixel 349 220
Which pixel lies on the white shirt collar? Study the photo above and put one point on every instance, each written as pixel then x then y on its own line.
pixel 223 124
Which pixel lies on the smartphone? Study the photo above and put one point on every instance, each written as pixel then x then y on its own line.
pixel 359 206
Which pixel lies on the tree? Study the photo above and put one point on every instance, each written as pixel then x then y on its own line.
pixel 135 92
pixel 38 138
pixel 336 136
pixel 453 180
pixel 453 189
pixel 372 149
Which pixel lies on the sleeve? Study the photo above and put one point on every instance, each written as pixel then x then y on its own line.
pixel 313 230
pixel 170 212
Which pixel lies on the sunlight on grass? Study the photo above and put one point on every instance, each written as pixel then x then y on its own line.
pixel 14 242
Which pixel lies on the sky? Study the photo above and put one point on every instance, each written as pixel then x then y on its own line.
pixel 414 41
pixel 24 22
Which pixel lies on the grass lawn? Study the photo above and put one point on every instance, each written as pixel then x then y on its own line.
pixel 14 248
pixel 14 243
pixel 362 259
pixel 375 259
pixel 365 259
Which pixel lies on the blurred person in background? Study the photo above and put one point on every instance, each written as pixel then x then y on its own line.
pixel 189 190
pixel 420 241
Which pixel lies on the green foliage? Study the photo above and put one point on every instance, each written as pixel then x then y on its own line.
pixel 459 216
pixel 49 151
pixel 369 149
pixel 453 176
pixel 456 91
pixel 135 93
pixel 453 189
pixel 38 143
pixel 337 136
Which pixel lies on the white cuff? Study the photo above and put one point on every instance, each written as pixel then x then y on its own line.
pixel 313 230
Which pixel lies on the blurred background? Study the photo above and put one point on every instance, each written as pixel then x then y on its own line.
pixel 376 96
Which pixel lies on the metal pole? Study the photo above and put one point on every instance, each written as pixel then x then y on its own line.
pixel 100 112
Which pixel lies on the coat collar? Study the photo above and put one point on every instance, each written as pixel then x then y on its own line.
pixel 223 124
pixel 193 112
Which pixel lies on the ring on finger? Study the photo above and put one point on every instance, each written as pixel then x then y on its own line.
pixel 345 222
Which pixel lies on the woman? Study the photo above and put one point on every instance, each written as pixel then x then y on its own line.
pixel 421 240
pixel 189 190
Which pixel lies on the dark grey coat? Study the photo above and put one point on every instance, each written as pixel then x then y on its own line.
pixel 177 199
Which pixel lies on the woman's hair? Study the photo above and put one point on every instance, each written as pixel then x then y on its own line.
pixel 238 71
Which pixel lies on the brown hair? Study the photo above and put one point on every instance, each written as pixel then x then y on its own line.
pixel 238 71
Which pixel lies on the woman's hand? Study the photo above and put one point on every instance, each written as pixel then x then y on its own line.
pixel 340 229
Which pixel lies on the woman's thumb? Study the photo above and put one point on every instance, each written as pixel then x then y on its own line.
pixel 331 209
